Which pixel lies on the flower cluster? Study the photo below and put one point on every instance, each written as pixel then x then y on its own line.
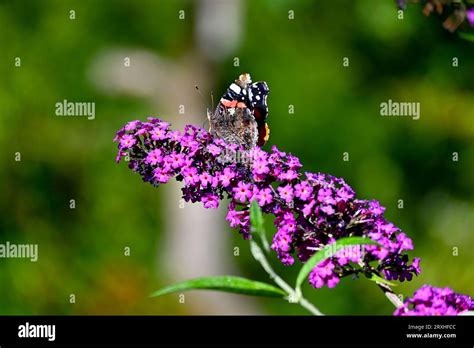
pixel 429 300
pixel 470 16
pixel 311 210
pixel 455 12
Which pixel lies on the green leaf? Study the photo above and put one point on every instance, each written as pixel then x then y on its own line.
pixel 466 36
pixel 256 224
pixel 256 218
pixel 327 252
pixel 376 278
pixel 224 283
pixel 469 313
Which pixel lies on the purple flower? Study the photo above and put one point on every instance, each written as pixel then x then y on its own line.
pixel 154 157
pixel 233 218
pixel 404 242
pixel 375 208
pixel 264 197
pixel 416 265
pixel 429 300
pixel 344 194
pixel 242 192
pixel 303 191
pixel 205 179
pixel 190 175
pixel 158 133
pixel 210 201
pixel 260 167
pixel 311 210
pixel 282 244
pixel 286 193
pixel 177 160
pixel 127 141
pixel 287 175
pixel 324 274
pixel 226 177
pixel 131 125
pixel 308 208
pixel 160 175
pixel 175 136
pixel 325 195
pixel 214 149
pixel 327 209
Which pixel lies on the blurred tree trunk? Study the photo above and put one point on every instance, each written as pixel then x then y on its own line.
pixel 197 241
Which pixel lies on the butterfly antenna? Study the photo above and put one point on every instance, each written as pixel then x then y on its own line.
pixel 212 96
pixel 198 90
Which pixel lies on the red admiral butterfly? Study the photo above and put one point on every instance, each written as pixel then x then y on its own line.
pixel 241 114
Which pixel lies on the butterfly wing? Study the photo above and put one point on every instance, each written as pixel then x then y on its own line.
pixel 258 104
pixel 241 113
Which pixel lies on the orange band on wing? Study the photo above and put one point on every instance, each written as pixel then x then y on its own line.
pixel 267 132
pixel 263 134
pixel 228 103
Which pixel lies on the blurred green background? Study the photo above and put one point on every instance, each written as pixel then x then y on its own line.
pixel 336 110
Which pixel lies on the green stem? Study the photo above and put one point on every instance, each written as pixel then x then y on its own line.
pixel 293 296
pixel 265 244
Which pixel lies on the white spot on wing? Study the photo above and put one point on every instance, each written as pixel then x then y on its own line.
pixel 235 88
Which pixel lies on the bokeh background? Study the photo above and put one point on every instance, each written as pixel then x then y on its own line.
pixel 336 110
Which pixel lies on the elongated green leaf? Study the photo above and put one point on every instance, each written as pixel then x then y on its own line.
pixel 224 283
pixel 467 36
pixel 327 252
pixel 256 218
pixel 256 224
pixel 376 278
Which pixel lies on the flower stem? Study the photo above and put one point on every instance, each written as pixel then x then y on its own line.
pixel 265 244
pixel 309 306
pixel 292 295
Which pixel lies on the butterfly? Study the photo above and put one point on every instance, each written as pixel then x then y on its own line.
pixel 240 116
